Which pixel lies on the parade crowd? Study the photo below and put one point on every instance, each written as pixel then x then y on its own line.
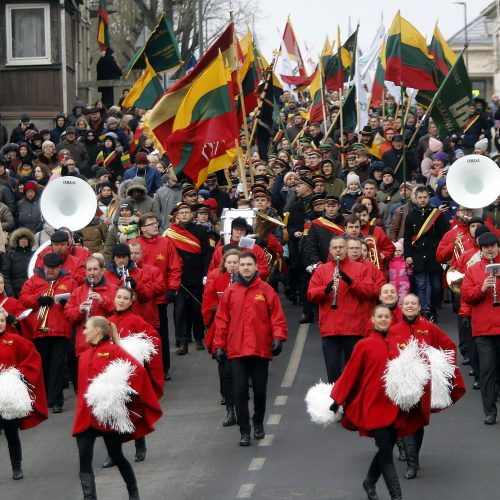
pixel 355 228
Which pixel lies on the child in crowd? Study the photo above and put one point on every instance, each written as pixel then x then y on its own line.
pixel 399 272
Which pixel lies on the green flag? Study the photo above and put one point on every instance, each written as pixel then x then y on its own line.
pixel 449 107
pixel 160 49
pixel 349 110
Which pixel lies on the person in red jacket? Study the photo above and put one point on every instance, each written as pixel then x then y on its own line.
pixel 12 306
pixel 343 326
pixel 19 353
pixel 218 281
pixel 130 324
pixel 48 325
pixel 250 327
pixel 160 252
pixel 388 296
pixel 413 325
pixel 240 228
pixel 92 421
pixel 478 290
pixel 367 409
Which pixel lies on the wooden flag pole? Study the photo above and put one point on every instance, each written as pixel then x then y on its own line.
pixel 341 127
pixel 322 90
pixel 241 168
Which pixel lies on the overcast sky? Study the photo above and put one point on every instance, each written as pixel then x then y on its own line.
pixel 312 20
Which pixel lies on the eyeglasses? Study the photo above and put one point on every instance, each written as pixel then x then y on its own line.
pixel 151 224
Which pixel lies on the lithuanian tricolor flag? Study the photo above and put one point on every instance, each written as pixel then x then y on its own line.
pixel 102 26
pixel 378 81
pixel 249 74
pixel 336 68
pixel 205 127
pixel 408 60
pixel 316 110
pixel 444 57
pixel 146 90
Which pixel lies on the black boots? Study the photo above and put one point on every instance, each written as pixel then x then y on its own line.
pixel 129 478
pixel 16 457
pixel 411 449
pixel 182 349
pixel 88 486
pixel 401 450
pixel 245 439
pixel 108 463
pixel 369 487
pixel 258 431
pixel 140 449
pixel 392 482
pixel 230 418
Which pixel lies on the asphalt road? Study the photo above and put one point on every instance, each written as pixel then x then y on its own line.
pixel 191 456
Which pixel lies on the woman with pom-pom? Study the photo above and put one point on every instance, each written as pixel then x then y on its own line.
pixel 115 400
pixel 23 404
pixel 427 333
pixel 367 409
pixel 142 341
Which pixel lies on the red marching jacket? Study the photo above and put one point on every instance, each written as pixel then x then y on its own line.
pixel 144 404
pixel 161 253
pixel 350 317
pixel 485 317
pixel 72 262
pixel 17 352
pixel 128 323
pixel 148 309
pixel 360 390
pixel 462 264
pixel 77 318
pixel 385 246
pixel 142 289
pixel 425 331
pixel 12 306
pixel 57 322
pixel 248 319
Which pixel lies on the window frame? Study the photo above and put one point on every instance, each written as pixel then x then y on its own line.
pixel 28 61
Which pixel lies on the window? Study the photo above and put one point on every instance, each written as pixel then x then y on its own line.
pixel 28 34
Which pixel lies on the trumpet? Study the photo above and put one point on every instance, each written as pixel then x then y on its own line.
pixel 43 312
pixel 336 281
pixel 458 246
pixel 125 275
pixel 88 313
pixel 372 251
pixel 493 270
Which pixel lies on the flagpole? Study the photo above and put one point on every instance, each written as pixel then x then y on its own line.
pixel 409 106
pixel 341 128
pixel 241 168
pixel 322 90
pixel 403 133
pixel 358 112
pixel 331 126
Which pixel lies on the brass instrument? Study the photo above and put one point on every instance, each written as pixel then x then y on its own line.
pixel 372 251
pixel 89 308
pixel 454 277
pixel 493 271
pixel 125 275
pixel 43 312
pixel 336 282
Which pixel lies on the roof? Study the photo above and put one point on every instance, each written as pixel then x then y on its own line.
pixel 479 32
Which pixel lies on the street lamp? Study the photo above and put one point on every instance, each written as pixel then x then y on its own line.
pixel 464 5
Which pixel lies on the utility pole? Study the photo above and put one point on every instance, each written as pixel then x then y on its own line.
pixel 200 27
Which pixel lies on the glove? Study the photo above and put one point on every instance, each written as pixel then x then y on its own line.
pixel 45 301
pixel 171 296
pixel 204 280
pixel 240 189
pixel 329 288
pixel 11 318
pixel 132 281
pixel 334 407
pixel 220 356
pixel 276 347
pixel 346 277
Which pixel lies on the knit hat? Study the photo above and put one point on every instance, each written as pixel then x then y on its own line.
pixel 59 237
pixel 483 228
pixel 205 193
pixel 482 144
pixel 127 205
pixel 102 171
pixel 30 185
pixel 475 220
pixel 25 117
pixel 435 145
pixel 399 245
pixel 441 156
pixel 121 249
pixel 112 120
pixel 388 170
pixel 70 130
pixel 141 158
pixel 212 203
pixel 352 177
pixel 288 175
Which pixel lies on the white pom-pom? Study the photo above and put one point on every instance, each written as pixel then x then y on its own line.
pixel 406 376
pixel 108 395
pixel 318 402
pixel 442 373
pixel 140 346
pixel 15 399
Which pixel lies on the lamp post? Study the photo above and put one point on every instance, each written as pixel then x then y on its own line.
pixel 464 5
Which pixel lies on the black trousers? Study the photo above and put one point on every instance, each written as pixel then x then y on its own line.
pixel 188 315
pixel 257 370
pixel 488 349
pixel 226 382
pixel 304 278
pixel 163 332
pixel 334 346
pixel 113 442
pixel 11 429
pixel 465 330
pixel 53 351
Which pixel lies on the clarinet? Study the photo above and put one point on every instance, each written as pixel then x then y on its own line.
pixel 336 281
pixel 495 296
pixel 231 278
pixel 89 309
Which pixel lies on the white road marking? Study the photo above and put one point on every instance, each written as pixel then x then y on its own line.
pixel 280 400
pixel 267 440
pixel 293 364
pixel 257 463
pixel 274 419
pixel 246 490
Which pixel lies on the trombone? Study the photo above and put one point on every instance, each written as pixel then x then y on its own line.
pixel 43 312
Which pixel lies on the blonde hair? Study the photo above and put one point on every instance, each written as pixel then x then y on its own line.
pixel 107 328
pixel 231 251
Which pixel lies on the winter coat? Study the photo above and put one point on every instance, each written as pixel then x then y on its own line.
pixel 77 151
pixel 360 390
pixel 398 276
pixel 127 323
pixel 248 319
pixel 150 174
pixel 94 237
pixel 346 319
pixel 29 214
pixel 389 193
pixel 164 201
pixel 52 162
pixel 7 195
pixel 74 265
pixel 439 199
pixel 347 200
pixel 148 309
pixel 20 353
pixel 15 262
pixel 385 246
pixel 144 407
pixel 485 317
pixel 19 133
pixel 142 205
pixel 6 218
pixel 316 245
pixel 142 287
pixel 57 322
pixel 444 252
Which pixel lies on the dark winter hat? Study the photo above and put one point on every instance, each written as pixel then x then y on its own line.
pixel 25 117
pixel 205 193
pixel 261 178
pixel 121 249
pixel 52 259
pixel 202 208
pixel 397 138
pixel 475 220
pixel 188 190
pixel 318 199
pixel 102 171
pixel 307 182
pixel 239 223
pixel 377 165
pixel 141 158
pixel 44 131
pixel 70 130
pixel 482 229
pixel 487 239
pixel 30 185
pixel 212 176
pixel 127 205
pixel 367 130
pixel 112 120
pixel 59 237
pixel 331 198
pixel 388 170
pixel 441 156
